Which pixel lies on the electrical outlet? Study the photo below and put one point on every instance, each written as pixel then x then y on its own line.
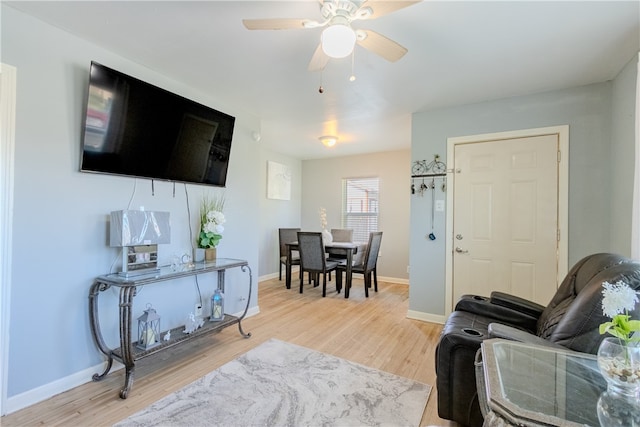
pixel 408 268
pixel 198 310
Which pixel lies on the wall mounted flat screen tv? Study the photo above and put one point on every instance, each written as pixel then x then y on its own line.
pixel 136 129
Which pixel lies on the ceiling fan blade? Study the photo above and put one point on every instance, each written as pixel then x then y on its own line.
pixel 379 44
pixel 275 24
pixel 319 60
pixel 385 7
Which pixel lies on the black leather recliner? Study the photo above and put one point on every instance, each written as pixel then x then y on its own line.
pixel 571 320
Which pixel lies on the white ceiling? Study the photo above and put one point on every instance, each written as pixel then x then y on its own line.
pixel 459 53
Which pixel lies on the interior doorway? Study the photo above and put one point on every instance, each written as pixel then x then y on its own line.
pixel 507 214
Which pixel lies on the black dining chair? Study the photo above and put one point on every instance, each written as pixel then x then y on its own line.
pixel 287 235
pixel 340 235
pixel 314 261
pixel 367 265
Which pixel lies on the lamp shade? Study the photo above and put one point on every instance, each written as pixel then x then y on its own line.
pixel 130 228
pixel 338 40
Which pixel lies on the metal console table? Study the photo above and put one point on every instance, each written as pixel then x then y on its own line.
pixel 128 353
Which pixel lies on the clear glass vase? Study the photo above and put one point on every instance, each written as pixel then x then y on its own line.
pixel 618 410
pixel 619 364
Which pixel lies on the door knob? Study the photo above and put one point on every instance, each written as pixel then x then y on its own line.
pixel 460 250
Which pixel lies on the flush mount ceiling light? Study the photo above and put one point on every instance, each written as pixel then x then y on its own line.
pixel 338 41
pixel 328 140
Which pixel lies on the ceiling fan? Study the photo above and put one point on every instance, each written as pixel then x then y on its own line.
pixel 338 38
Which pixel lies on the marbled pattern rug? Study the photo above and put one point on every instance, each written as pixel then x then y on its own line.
pixel 282 384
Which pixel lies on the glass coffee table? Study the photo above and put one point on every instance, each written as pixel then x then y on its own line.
pixel 531 385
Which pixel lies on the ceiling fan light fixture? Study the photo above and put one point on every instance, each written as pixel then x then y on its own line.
pixel 338 40
pixel 328 140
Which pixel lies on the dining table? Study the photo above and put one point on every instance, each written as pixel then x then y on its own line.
pixel 347 249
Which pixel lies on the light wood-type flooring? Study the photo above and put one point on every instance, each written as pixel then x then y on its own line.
pixel 372 331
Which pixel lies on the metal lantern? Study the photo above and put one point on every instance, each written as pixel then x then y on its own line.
pixel 217 306
pixel 148 329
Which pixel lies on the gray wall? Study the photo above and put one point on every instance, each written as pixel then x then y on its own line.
pixel 588 112
pixel 276 214
pixel 623 156
pixel 322 187
pixel 60 215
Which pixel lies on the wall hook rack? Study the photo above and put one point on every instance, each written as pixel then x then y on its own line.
pixel 422 169
pixel 433 169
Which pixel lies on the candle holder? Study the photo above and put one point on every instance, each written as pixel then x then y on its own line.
pixel 217 306
pixel 148 329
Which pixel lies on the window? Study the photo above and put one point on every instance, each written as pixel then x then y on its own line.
pixel 360 206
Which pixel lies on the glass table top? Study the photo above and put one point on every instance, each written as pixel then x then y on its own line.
pixel 170 272
pixel 544 386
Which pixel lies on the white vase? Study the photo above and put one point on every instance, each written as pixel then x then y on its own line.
pixel 326 236
pixel 619 364
pixel 198 254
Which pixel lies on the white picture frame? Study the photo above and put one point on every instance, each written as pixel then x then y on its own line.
pixel 278 181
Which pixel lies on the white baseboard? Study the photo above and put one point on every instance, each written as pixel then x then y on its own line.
pixel 269 277
pixel 44 392
pixel 393 280
pixel 426 317
pixel 276 274
pixel 251 312
pixel 38 394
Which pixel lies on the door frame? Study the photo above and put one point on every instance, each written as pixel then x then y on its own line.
pixel 7 147
pixel 563 197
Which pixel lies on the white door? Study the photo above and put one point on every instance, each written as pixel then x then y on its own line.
pixel 505 217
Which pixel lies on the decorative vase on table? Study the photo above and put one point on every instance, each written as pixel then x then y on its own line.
pixel 211 228
pixel 198 255
pixel 616 410
pixel 210 254
pixel 326 236
pixel 619 364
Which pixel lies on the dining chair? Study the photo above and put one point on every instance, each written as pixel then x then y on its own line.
pixel 342 234
pixel 287 235
pixel 313 260
pixel 367 265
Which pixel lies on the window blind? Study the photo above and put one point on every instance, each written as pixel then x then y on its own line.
pixel 360 206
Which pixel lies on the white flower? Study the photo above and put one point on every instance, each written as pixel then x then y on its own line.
pixel 219 218
pixel 216 217
pixel 211 220
pixel 617 298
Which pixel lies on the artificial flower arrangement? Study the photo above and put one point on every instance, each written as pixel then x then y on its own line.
pixel 619 357
pixel 617 300
pixel 211 221
pixel 323 218
pixel 326 234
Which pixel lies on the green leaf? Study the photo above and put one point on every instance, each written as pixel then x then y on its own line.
pixel 604 328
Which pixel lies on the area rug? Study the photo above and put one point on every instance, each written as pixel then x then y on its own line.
pixel 282 384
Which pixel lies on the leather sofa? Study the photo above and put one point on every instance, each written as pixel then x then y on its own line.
pixel 570 320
